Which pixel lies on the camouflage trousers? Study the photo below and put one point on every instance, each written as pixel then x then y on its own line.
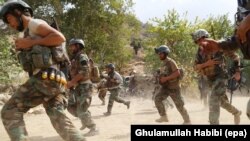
pixel 31 94
pixel 114 96
pixel 219 98
pixel 79 103
pixel 177 99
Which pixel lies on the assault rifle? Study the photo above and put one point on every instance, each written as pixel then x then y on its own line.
pixel 232 84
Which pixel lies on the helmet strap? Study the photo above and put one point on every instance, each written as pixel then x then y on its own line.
pixel 20 26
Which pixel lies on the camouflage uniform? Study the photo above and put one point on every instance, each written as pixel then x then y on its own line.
pixel 80 99
pixel 31 94
pixel 216 76
pixel 114 89
pixel 170 88
pixel 234 42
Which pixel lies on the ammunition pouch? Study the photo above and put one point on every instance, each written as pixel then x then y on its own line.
pixel 41 57
pixel 25 60
pixel 59 54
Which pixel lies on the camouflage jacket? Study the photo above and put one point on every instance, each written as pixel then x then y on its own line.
pixel 80 65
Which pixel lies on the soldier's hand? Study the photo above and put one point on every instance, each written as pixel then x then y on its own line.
pixel 70 84
pixel 212 62
pixel 237 76
pixel 163 79
pixel 24 43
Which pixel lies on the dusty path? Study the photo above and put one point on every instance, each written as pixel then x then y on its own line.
pixel 117 126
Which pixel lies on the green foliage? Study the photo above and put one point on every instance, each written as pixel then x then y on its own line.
pixel 9 67
pixel 175 32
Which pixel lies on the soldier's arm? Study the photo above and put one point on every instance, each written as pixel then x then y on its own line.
pixel 229 44
pixel 175 72
pixel 50 37
pixel 242 29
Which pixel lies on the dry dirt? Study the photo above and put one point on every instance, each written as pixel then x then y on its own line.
pixel 117 126
pixel 142 111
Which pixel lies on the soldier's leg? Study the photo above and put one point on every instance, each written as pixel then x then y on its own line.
pixel 179 103
pixel 62 124
pixel 110 104
pixel 25 97
pixel 84 98
pixel 119 99
pixel 230 108
pixel 72 103
pixel 218 89
pixel 159 97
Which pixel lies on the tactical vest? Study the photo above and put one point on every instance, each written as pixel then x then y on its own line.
pixel 75 65
pixel 40 57
pixel 215 70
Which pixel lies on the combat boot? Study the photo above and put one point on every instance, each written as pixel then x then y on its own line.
pixel 92 132
pixel 83 127
pixel 187 122
pixel 127 104
pixel 237 118
pixel 107 113
pixel 162 119
pixel 103 102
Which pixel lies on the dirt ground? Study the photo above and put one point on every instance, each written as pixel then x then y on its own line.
pixel 117 126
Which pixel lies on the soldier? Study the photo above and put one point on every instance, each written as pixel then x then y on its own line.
pixel 213 67
pixel 136 44
pixel 83 87
pixel 113 84
pixel 170 86
pixel 35 57
pixel 241 39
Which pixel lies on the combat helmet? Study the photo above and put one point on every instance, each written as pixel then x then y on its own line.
pixel 200 33
pixel 162 49
pixel 111 66
pixel 77 41
pixel 10 7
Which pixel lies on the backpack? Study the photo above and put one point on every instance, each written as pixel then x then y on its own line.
pixel 94 72
pixel 182 73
